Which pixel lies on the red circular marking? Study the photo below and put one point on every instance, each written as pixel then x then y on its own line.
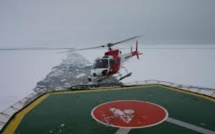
pixel 129 114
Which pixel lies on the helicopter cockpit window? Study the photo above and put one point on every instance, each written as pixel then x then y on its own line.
pixel 101 63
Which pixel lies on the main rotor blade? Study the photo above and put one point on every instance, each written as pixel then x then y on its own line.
pixel 126 40
pixel 107 45
pixel 70 49
pixel 82 49
pixel 87 48
pixel 32 48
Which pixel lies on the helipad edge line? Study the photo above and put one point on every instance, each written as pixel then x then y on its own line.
pixel 15 121
pixel 189 93
pixel 142 86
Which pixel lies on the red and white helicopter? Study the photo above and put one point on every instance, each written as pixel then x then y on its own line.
pixel 111 62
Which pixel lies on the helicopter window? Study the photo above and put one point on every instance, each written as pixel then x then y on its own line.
pixel 101 63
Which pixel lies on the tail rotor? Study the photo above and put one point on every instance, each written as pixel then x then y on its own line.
pixel 136 51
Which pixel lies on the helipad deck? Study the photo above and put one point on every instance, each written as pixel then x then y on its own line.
pixel 70 112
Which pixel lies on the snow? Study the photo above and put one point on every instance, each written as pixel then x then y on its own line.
pixel 80 75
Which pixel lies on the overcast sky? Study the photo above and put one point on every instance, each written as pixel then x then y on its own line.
pixel 93 22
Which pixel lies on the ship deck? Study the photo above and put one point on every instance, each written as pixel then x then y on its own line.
pixel 70 112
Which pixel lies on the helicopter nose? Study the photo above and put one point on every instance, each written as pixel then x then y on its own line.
pixel 99 72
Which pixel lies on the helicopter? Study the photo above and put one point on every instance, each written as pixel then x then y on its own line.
pixel 111 62
pixel 105 66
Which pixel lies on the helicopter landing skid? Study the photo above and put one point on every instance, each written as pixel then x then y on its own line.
pixel 125 76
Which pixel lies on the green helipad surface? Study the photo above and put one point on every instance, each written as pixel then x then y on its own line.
pixel 70 112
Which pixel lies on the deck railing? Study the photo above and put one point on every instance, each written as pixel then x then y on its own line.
pixel 200 90
pixel 9 112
